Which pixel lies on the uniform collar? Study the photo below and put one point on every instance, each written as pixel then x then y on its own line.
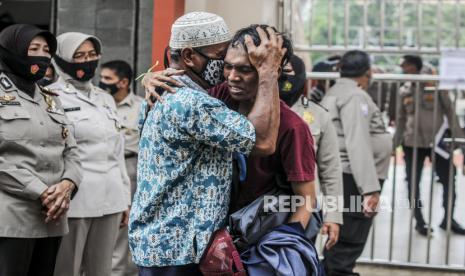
pixel 347 81
pixel 128 100
pixel 69 88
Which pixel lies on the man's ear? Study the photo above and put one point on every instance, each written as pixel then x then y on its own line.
pixel 124 82
pixel 187 57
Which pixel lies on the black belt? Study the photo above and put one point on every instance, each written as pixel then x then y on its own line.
pixel 130 155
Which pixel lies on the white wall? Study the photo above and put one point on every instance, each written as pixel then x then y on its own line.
pixel 238 13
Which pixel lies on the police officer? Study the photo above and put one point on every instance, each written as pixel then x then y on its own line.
pixel 115 78
pixel 293 84
pixel 97 211
pixel 365 149
pixel 39 163
pixel 405 136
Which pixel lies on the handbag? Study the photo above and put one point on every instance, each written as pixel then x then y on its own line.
pixel 221 257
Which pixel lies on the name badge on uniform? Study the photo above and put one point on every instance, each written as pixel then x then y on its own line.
pixel 72 109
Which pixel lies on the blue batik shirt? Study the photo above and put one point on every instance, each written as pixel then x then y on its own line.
pixel 184 175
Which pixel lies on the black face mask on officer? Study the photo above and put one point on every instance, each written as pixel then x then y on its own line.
pixel 31 68
pixel 111 88
pixel 292 86
pixel 212 72
pixel 82 71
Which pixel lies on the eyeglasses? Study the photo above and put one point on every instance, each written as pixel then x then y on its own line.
pixel 82 56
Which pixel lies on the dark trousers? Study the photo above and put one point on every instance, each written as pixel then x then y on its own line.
pixel 340 259
pixel 180 270
pixel 28 257
pixel 442 171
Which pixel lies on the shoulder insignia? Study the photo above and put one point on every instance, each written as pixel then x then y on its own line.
pixel 6 83
pixel 308 117
pixel 48 91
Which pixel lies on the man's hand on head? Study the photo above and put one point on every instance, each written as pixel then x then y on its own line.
pixel 269 54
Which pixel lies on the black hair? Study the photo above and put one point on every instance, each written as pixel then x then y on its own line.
pixel 334 58
pixel 252 32
pixel 121 68
pixel 414 60
pixel 354 64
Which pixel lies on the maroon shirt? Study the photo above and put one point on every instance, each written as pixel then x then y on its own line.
pixel 293 161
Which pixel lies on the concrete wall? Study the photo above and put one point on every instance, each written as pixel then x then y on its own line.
pixel 114 23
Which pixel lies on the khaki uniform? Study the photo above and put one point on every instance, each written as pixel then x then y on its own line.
pixel 128 112
pixel 328 161
pixel 365 146
pixel 97 129
pixel 37 150
pixel 406 122
pixel 95 213
pixel 405 136
pixel 365 150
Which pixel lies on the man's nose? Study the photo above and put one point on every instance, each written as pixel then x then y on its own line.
pixel 233 76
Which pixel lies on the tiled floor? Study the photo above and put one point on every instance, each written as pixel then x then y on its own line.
pixel 401 217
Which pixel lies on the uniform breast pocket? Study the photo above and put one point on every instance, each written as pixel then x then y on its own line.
pixel 81 126
pixel 15 123
pixel 114 122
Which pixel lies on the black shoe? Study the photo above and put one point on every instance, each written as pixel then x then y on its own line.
pixel 422 229
pixel 455 227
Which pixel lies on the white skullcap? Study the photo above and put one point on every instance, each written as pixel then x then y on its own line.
pixel 197 29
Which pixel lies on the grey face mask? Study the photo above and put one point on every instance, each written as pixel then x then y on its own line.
pixel 212 72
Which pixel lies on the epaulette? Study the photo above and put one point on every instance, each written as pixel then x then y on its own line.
pixel 48 91
pixel 318 104
pixel 304 100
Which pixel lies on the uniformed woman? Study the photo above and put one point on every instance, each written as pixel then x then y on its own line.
pixel 39 163
pixel 96 212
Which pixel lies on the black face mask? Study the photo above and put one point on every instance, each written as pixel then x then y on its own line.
pixel 31 68
pixel 82 71
pixel 290 88
pixel 111 88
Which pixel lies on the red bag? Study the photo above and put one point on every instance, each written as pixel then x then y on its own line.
pixel 222 257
